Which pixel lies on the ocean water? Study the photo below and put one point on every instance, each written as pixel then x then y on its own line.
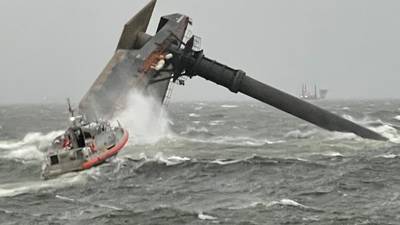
pixel 209 163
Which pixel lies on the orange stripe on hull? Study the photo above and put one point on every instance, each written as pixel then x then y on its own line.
pixel 107 154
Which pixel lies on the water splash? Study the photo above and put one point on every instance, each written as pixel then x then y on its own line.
pixel 34 138
pixel 145 119
pixel 385 129
pixel 30 148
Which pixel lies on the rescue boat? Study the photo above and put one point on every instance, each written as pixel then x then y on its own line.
pixel 82 146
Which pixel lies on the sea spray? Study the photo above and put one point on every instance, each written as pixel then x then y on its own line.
pixel 34 138
pixel 385 129
pixel 30 148
pixel 145 119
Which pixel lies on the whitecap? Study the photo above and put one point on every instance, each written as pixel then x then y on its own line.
pixel 206 217
pixel 397 117
pixel 64 198
pixel 229 106
pixel 388 132
pixel 25 153
pixel 385 129
pixel 34 138
pixel 198 108
pixel 239 141
pixel 226 162
pixel 348 117
pixel 216 122
pixel 194 115
pixel 388 156
pixel 333 154
pixel 178 158
pixel 169 161
pixel 31 147
pixel 287 202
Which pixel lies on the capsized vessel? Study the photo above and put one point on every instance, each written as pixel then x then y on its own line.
pixel 83 145
pixel 147 64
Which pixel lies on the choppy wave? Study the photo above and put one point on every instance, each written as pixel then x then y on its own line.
pixel 34 138
pixel 236 141
pixel 31 147
pixel 212 173
pixel 388 131
pixel 169 161
pixel 14 189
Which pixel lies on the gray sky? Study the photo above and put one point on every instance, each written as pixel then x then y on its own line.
pixel 52 49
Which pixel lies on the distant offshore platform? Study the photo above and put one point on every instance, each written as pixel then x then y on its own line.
pixel 317 94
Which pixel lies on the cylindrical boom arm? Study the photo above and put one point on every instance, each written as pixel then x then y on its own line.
pixel 195 63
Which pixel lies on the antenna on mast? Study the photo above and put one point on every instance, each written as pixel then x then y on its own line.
pixel 70 110
pixel 315 91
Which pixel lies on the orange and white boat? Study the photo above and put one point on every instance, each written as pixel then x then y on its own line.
pixel 82 146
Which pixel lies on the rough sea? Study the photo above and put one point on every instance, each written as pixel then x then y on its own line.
pixel 209 163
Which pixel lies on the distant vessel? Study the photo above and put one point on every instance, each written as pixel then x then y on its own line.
pixel 316 95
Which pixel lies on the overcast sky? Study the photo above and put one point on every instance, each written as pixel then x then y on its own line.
pixel 52 49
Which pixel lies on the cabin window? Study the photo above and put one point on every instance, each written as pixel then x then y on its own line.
pixel 54 160
pixel 79 154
